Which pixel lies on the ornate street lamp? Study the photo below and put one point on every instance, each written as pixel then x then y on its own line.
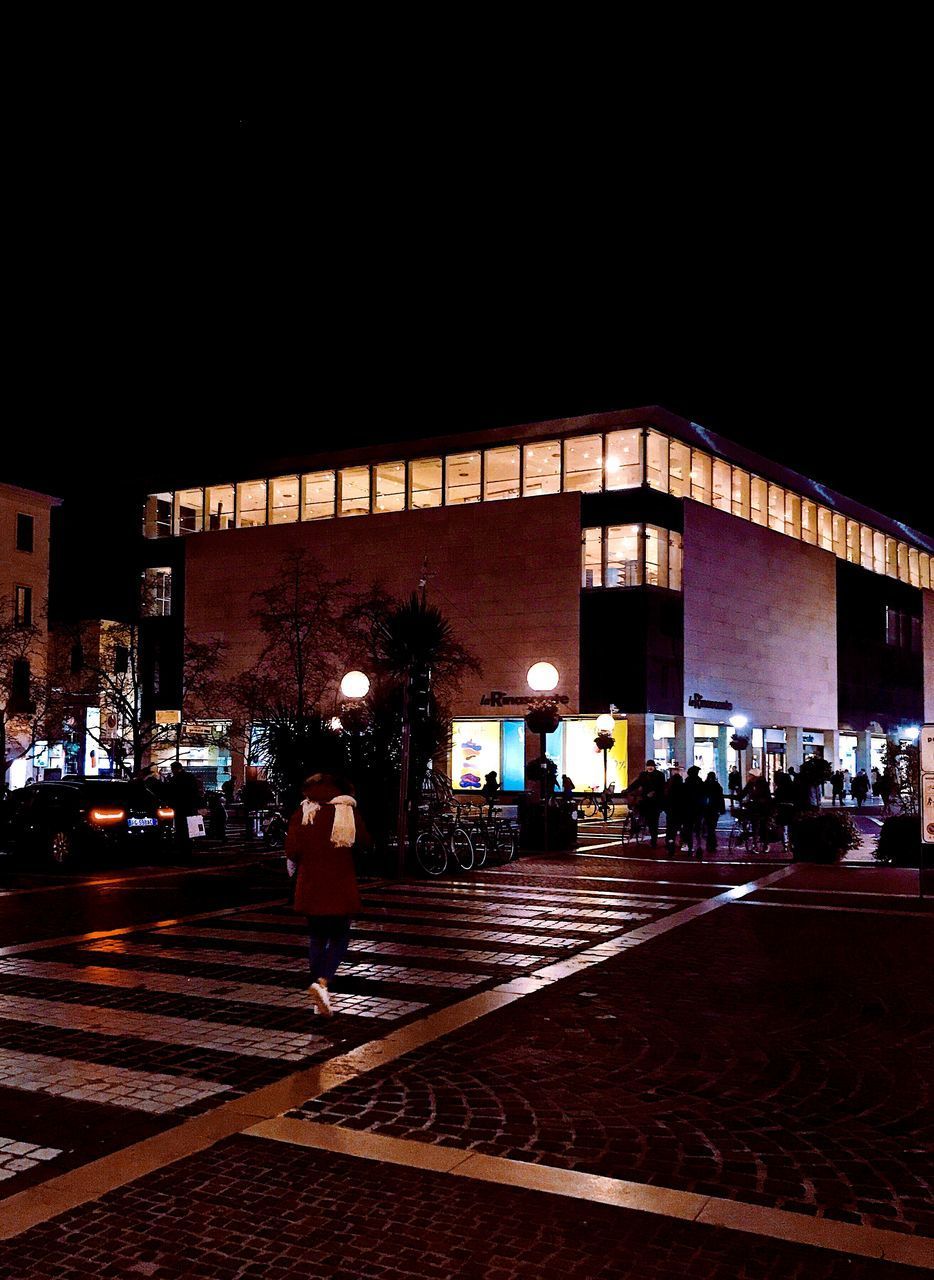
pixel 739 742
pixel 543 718
pixel 604 741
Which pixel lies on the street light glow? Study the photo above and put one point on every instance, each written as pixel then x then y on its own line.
pixel 739 722
pixel 335 723
pixel 355 685
pixel 605 723
pixel 542 677
pixel 912 733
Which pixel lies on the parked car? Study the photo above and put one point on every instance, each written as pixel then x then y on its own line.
pixel 67 820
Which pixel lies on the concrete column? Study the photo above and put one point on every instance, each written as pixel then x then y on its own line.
pixel 724 763
pixel 237 754
pixel 794 747
pixel 864 750
pixel 684 742
pixel 641 742
pixel 832 747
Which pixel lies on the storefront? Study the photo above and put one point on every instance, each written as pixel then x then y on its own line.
pixel 483 746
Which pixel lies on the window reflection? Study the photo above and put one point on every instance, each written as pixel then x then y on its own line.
pixel 656 461
pixel 583 464
pixel 624 555
pixel 542 467
pixel 624 459
pixel 501 473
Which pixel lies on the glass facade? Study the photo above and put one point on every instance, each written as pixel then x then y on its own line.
pixel 628 555
pixel 585 463
pixel 483 746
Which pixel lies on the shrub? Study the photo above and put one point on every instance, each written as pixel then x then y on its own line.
pixel 822 835
pixel 899 842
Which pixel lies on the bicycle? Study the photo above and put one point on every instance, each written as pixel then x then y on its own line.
pixel 599 803
pixel 493 835
pixel 633 826
pixel 445 840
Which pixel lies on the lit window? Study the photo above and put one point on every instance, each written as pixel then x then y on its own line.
pixel 220 507
pixel 776 508
pixel 583 464
pixel 792 515
pixel 319 489
pixel 251 504
pixel 624 555
pixel 462 478
pixel 701 468
pixel 903 562
pixel 624 459
pixel 914 568
pixel 479 746
pixel 189 510
pixel 758 501
pixel 22 606
pixel 924 567
pixel 675 560
pixel 283 500
pixel 825 528
pixel 542 468
pixel 157 518
pixel 656 556
pixel 679 469
pixel 389 492
pixel 721 485
pixel 865 546
pixel 878 552
pixel 425 483
pixel 809 522
pixel 891 557
pixel 852 541
pixel 353 491
pixel 740 493
pixel 156 593
pixel 501 473
pixel 656 461
pixel 592 558
pixel 839 535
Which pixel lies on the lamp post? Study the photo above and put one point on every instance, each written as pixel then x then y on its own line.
pixel 354 688
pixel 603 742
pixel 543 718
pixel 739 742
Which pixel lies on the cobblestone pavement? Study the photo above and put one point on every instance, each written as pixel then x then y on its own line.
pixel 249 1208
pixel 107 1040
pixel 783 1058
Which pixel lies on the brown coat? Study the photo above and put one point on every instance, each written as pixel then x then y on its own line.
pixel 326 884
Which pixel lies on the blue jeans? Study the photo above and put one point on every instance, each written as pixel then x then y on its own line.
pixel 328 940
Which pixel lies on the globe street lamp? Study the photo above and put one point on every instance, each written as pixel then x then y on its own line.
pixel 543 718
pixel 739 742
pixel 354 687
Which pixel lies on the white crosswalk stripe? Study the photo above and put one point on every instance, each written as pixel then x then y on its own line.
pixel 357 945
pixel 203 988
pixel 273 960
pixel 151 1091
pixel 222 1037
pixel 18 1157
pixel 520 937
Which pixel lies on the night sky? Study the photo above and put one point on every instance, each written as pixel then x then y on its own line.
pixel 194 302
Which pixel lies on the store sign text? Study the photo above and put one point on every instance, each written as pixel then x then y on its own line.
pixel 697 701
pixel 496 698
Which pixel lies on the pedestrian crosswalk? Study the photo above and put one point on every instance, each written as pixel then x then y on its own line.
pixel 168 1021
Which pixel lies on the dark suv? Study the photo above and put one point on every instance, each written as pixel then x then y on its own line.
pixel 64 820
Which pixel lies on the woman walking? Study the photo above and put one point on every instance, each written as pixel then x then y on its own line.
pixel 320 840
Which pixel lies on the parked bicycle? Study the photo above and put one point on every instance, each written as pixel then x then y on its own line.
pixel 494 837
pixel 445 840
pixel 598 803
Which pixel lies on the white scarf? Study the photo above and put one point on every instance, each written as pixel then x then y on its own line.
pixel 344 831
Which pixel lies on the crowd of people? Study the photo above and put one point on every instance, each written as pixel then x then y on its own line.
pixel 692 805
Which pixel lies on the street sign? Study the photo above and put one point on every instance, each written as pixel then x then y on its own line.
pixel 927 748
pixel 168 717
pixel 927 808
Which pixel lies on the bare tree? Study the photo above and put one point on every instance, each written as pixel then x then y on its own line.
pixel 22 691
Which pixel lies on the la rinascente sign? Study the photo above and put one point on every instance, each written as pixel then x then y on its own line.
pixel 697 701
pixel 496 698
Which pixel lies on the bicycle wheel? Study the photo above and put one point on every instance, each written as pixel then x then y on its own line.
pixel 430 854
pixel 461 847
pixel 507 846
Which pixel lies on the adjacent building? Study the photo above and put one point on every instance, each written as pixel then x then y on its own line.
pixel 24 589
pixel 675 579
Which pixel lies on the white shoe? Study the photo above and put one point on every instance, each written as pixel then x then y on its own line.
pixel 321 998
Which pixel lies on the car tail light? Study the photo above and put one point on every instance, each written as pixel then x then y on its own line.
pixel 106 817
pixel 165 813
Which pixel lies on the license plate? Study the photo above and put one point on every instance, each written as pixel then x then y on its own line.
pixel 142 822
